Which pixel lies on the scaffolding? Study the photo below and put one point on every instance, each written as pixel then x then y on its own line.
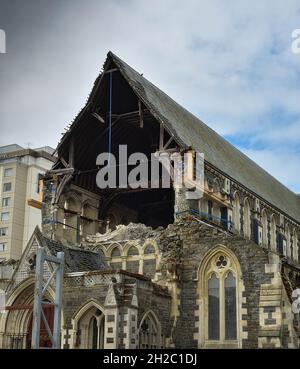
pixel 40 304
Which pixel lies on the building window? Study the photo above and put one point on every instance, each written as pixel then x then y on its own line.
pixel 288 252
pixel 265 231
pixel 230 307
pixel 116 259
pixel 6 202
pixel 295 245
pixel 4 216
pixel 90 329
pixel 116 252
pixel 3 232
pixel 133 260
pixel 149 249
pixel 237 213
pixel 273 240
pixel 149 261
pixel 247 220
pixel 7 187
pixel 96 330
pixel 213 308
pixel 219 310
pixel 8 172
pixel 133 251
pixel 3 246
pixel 150 333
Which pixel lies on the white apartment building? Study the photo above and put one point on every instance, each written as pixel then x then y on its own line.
pixel 20 188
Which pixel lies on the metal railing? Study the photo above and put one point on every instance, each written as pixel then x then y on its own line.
pixel 212 219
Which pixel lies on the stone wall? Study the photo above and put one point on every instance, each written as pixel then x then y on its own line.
pixel 193 241
pixel 128 299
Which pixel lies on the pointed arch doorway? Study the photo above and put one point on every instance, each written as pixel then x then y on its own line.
pixel 45 340
pixel 17 323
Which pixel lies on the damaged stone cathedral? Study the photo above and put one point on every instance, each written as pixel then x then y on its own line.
pixel 148 267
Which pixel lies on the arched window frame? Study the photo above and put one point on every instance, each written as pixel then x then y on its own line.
pixel 134 257
pixel 151 317
pixel 265 230
pixel 237 213
pixel 288 242
pixel 149 256
pixel 207 268
pixel 97 336
pixel 295 245
pixel 116 259
pixel 15 323
pixel 82 323
pixel 273 240
pixel 247 219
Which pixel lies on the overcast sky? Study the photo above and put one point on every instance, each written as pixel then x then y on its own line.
pixel 228 62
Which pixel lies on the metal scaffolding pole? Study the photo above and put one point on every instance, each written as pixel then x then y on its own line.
pixel 39 292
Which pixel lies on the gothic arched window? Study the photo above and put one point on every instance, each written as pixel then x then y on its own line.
pixel 90 329
pixel 96 330
pixel 237 213
pixel 150 333
pixel 295 245
pixel 116 252
pixel 213 308
pixel 230 307
pixel 265 232
pixel 133 259
pixel 132 251
pixel 149 260
pixel 116 258
pixel 273 234
pixel 149 249
pixel 288 252
pixel 219 311
pixel 247 219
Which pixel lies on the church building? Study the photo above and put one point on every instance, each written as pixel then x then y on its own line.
pixel 148 266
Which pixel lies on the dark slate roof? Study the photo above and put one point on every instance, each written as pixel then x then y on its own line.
pixel 190 131
pixel 76 260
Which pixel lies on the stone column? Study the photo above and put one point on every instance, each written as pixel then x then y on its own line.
pixel 131 328
pixel 131 334
pixel 111 325
pixel 124 258
pixel 181 202
pixel 270 307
